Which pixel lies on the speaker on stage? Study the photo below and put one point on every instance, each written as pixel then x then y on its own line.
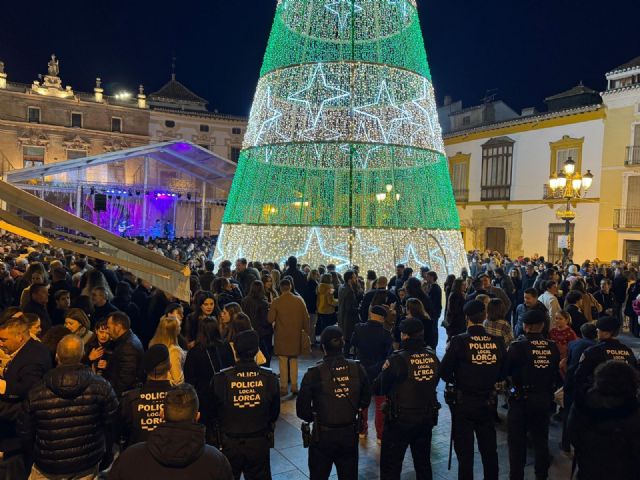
pixel 100 202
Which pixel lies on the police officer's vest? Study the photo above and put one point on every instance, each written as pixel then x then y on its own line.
pixel 538 375
pixel 483 362
pixel 146 403
pixel 337 405
pixel 417 393
pixel 247 400
pixel 616 351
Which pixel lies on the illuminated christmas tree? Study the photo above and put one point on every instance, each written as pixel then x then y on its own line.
pixel 343 160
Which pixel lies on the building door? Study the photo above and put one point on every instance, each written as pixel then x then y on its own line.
pixel 632 251
pixel 496 239
pixel 556 230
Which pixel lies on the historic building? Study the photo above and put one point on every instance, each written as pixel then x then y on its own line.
pixel 500 171
pixel 47 122
pixel 619 219
pixel 176 113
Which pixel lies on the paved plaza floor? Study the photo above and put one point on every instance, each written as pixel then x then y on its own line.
pixel 289 458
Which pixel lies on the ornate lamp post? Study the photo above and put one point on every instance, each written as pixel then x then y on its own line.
pixel 569 185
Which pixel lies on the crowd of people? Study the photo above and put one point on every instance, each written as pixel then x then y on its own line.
pixel 97 365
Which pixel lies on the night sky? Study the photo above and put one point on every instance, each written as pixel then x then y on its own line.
pixel 525 49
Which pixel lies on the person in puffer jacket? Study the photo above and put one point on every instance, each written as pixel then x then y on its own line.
pixel 68 418
pixel 176 450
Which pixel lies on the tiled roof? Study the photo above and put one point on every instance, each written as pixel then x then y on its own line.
pixel 527 119
pixel 174 90
pixel 626 66
pixel 572 92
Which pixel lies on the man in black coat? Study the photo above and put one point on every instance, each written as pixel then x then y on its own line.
pixel 299 278
pixel 245 275
pixel 434 292
pixel 75 443
pixel 176 449
pixel 39 293
pixel 30 362
pixel 102 307
pixel 124 370
pixel 373 345
pixel 380 285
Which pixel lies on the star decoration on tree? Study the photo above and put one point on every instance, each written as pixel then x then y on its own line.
pixel 272 120
pixel 426 112
pixel 382 114
pixel 314 251
pixel 343 9
pixel 317 94
pixel 412 259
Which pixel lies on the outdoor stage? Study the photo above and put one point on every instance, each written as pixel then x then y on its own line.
pixel 171 189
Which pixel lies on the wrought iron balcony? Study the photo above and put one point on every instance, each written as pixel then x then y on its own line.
pixel 626 218
pixel 495 192
pixel 633 155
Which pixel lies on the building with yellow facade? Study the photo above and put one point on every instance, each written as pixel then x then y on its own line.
pixel 619 218
pixel 500 170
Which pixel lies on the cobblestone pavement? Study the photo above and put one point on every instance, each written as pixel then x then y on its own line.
pixel 289 458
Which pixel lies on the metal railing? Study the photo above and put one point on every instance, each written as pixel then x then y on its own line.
pixel 626 218
pixel 633 155
pixel 495 192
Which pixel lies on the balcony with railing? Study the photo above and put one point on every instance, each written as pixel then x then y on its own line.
pixel 625 218
pixel 633 155
pixel 495 192
pixel 461 194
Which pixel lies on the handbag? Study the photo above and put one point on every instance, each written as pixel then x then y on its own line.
pixel 305 343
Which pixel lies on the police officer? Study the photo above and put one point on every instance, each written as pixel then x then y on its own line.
pixel 532 364
pixel 607 348
pixel 408 379
pixel 331 396
pixel 474 363
pixel 140 407
pixel 246 407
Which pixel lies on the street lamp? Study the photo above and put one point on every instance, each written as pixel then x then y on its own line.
pixel 569 185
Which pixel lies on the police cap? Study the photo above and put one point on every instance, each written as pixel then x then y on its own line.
pixel 329 335
pixel 533 317
pixel 380 310
pixel 608 324
pixel 247 343
pixel 411 326
pixel 156 355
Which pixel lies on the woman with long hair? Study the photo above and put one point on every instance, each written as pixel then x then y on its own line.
pixel 167 334
pixel 414 290
pixel 227 314
pixel 269 290
pixel 256 306
pixel 205 306
pixel 454 321
pixel 415 309
pixel 209 356
pixel 225 292
pixel 241 323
